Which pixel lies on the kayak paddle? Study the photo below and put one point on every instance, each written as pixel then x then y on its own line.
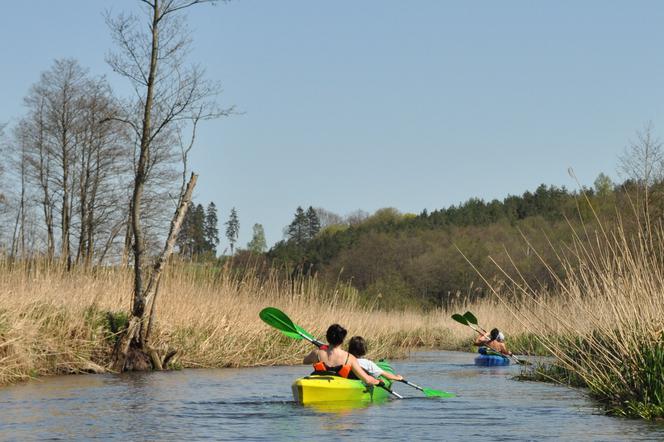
pixel 471 321
pixel 280 320
pixel 429 392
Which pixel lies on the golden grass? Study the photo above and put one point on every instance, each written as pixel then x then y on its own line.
pixel 605 323
pixel 53 321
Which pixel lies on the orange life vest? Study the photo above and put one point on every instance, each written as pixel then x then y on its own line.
pixel 341 370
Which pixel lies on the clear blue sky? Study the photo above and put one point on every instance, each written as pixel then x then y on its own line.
pixel 369 104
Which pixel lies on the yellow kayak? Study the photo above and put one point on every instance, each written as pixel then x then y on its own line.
pixel 320 388
pixel 326 388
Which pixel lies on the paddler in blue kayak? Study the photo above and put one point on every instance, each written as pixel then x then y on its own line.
pixel 495 340
pixel 357 347
pixel 332 359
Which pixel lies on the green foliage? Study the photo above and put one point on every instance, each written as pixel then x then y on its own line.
pixel 232 228
pixel 419 259
pixel 108 322
pixel 257 243
pixel 313 223
pixel 637 390
pixel 199 235
pixel 210 229
pixel 114 323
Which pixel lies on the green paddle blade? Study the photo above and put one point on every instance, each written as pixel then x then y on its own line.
pixel 460 319
pixel 279 320
pixel 470 318
pixel 429 392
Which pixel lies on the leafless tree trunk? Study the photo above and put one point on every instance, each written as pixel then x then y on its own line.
pixel 136 333
pixel 18 237
pixel 168 94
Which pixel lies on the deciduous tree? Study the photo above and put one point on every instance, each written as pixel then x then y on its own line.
pixel 168 96
pixel 257 243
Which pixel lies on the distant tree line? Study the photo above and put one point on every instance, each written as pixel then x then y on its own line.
pixel 399 260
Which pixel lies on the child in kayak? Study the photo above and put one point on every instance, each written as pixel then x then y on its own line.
pixel 494 340
pixel 333 359
pixel 357 347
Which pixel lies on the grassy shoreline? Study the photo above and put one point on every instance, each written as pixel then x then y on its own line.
pixel 604 327
pixel 54 321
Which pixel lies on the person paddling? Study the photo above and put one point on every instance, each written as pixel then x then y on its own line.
pixel 357 347
pixel 334 359
pixel 494 340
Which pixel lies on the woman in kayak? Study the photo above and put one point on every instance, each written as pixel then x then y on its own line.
pixel 357 347
pixel 494 340
pixel 334 359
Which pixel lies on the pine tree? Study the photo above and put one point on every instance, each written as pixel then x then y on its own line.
pixel 313 223
pixel 298 229
pixel 232 228
pixel 185 241
pixel 198 230
pixel 257 243
pixel 211 230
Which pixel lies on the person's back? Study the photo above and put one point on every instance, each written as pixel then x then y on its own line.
pixel 334 359
pixel 494 340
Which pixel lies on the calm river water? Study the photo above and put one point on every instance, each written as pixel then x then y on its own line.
pixel 256 404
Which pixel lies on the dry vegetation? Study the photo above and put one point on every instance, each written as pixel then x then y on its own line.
pixel 53 321
pixel 606 325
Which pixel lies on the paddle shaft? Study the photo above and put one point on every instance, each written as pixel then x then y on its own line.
pixel 412 385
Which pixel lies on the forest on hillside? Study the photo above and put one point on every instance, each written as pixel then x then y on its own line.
pixel 447 256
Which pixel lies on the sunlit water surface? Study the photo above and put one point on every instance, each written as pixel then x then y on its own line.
pixel 256 404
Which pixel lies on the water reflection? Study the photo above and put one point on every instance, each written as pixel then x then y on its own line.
pixel 256 404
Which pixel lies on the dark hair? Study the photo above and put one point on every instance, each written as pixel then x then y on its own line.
pixel 494 334
pixel 335 334
pixel 357 346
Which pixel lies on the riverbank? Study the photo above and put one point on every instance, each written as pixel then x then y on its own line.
pixel 54 321
pixel 257 404
pixel 605 324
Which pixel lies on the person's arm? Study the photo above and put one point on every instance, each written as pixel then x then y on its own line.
pixel 504 350
pixel 374 370
pixel 311 358
pixel 360 373
pixel 481 340
pixel 394 377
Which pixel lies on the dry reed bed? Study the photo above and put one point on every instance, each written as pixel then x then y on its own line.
pixel 55 322
pixel 606 325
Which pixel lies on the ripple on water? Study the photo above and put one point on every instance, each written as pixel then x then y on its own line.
pixel 256 404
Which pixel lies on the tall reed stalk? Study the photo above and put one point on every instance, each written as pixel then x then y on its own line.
pixel 605 322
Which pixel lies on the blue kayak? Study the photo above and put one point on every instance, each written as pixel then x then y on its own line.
pixel 491 359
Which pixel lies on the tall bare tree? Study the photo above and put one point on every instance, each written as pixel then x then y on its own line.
pixel 32 137
pixel 103 168
pixel 75 158
pixel 643 163
pixel 169 95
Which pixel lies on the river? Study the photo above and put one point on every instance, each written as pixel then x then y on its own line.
pixel 256 404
